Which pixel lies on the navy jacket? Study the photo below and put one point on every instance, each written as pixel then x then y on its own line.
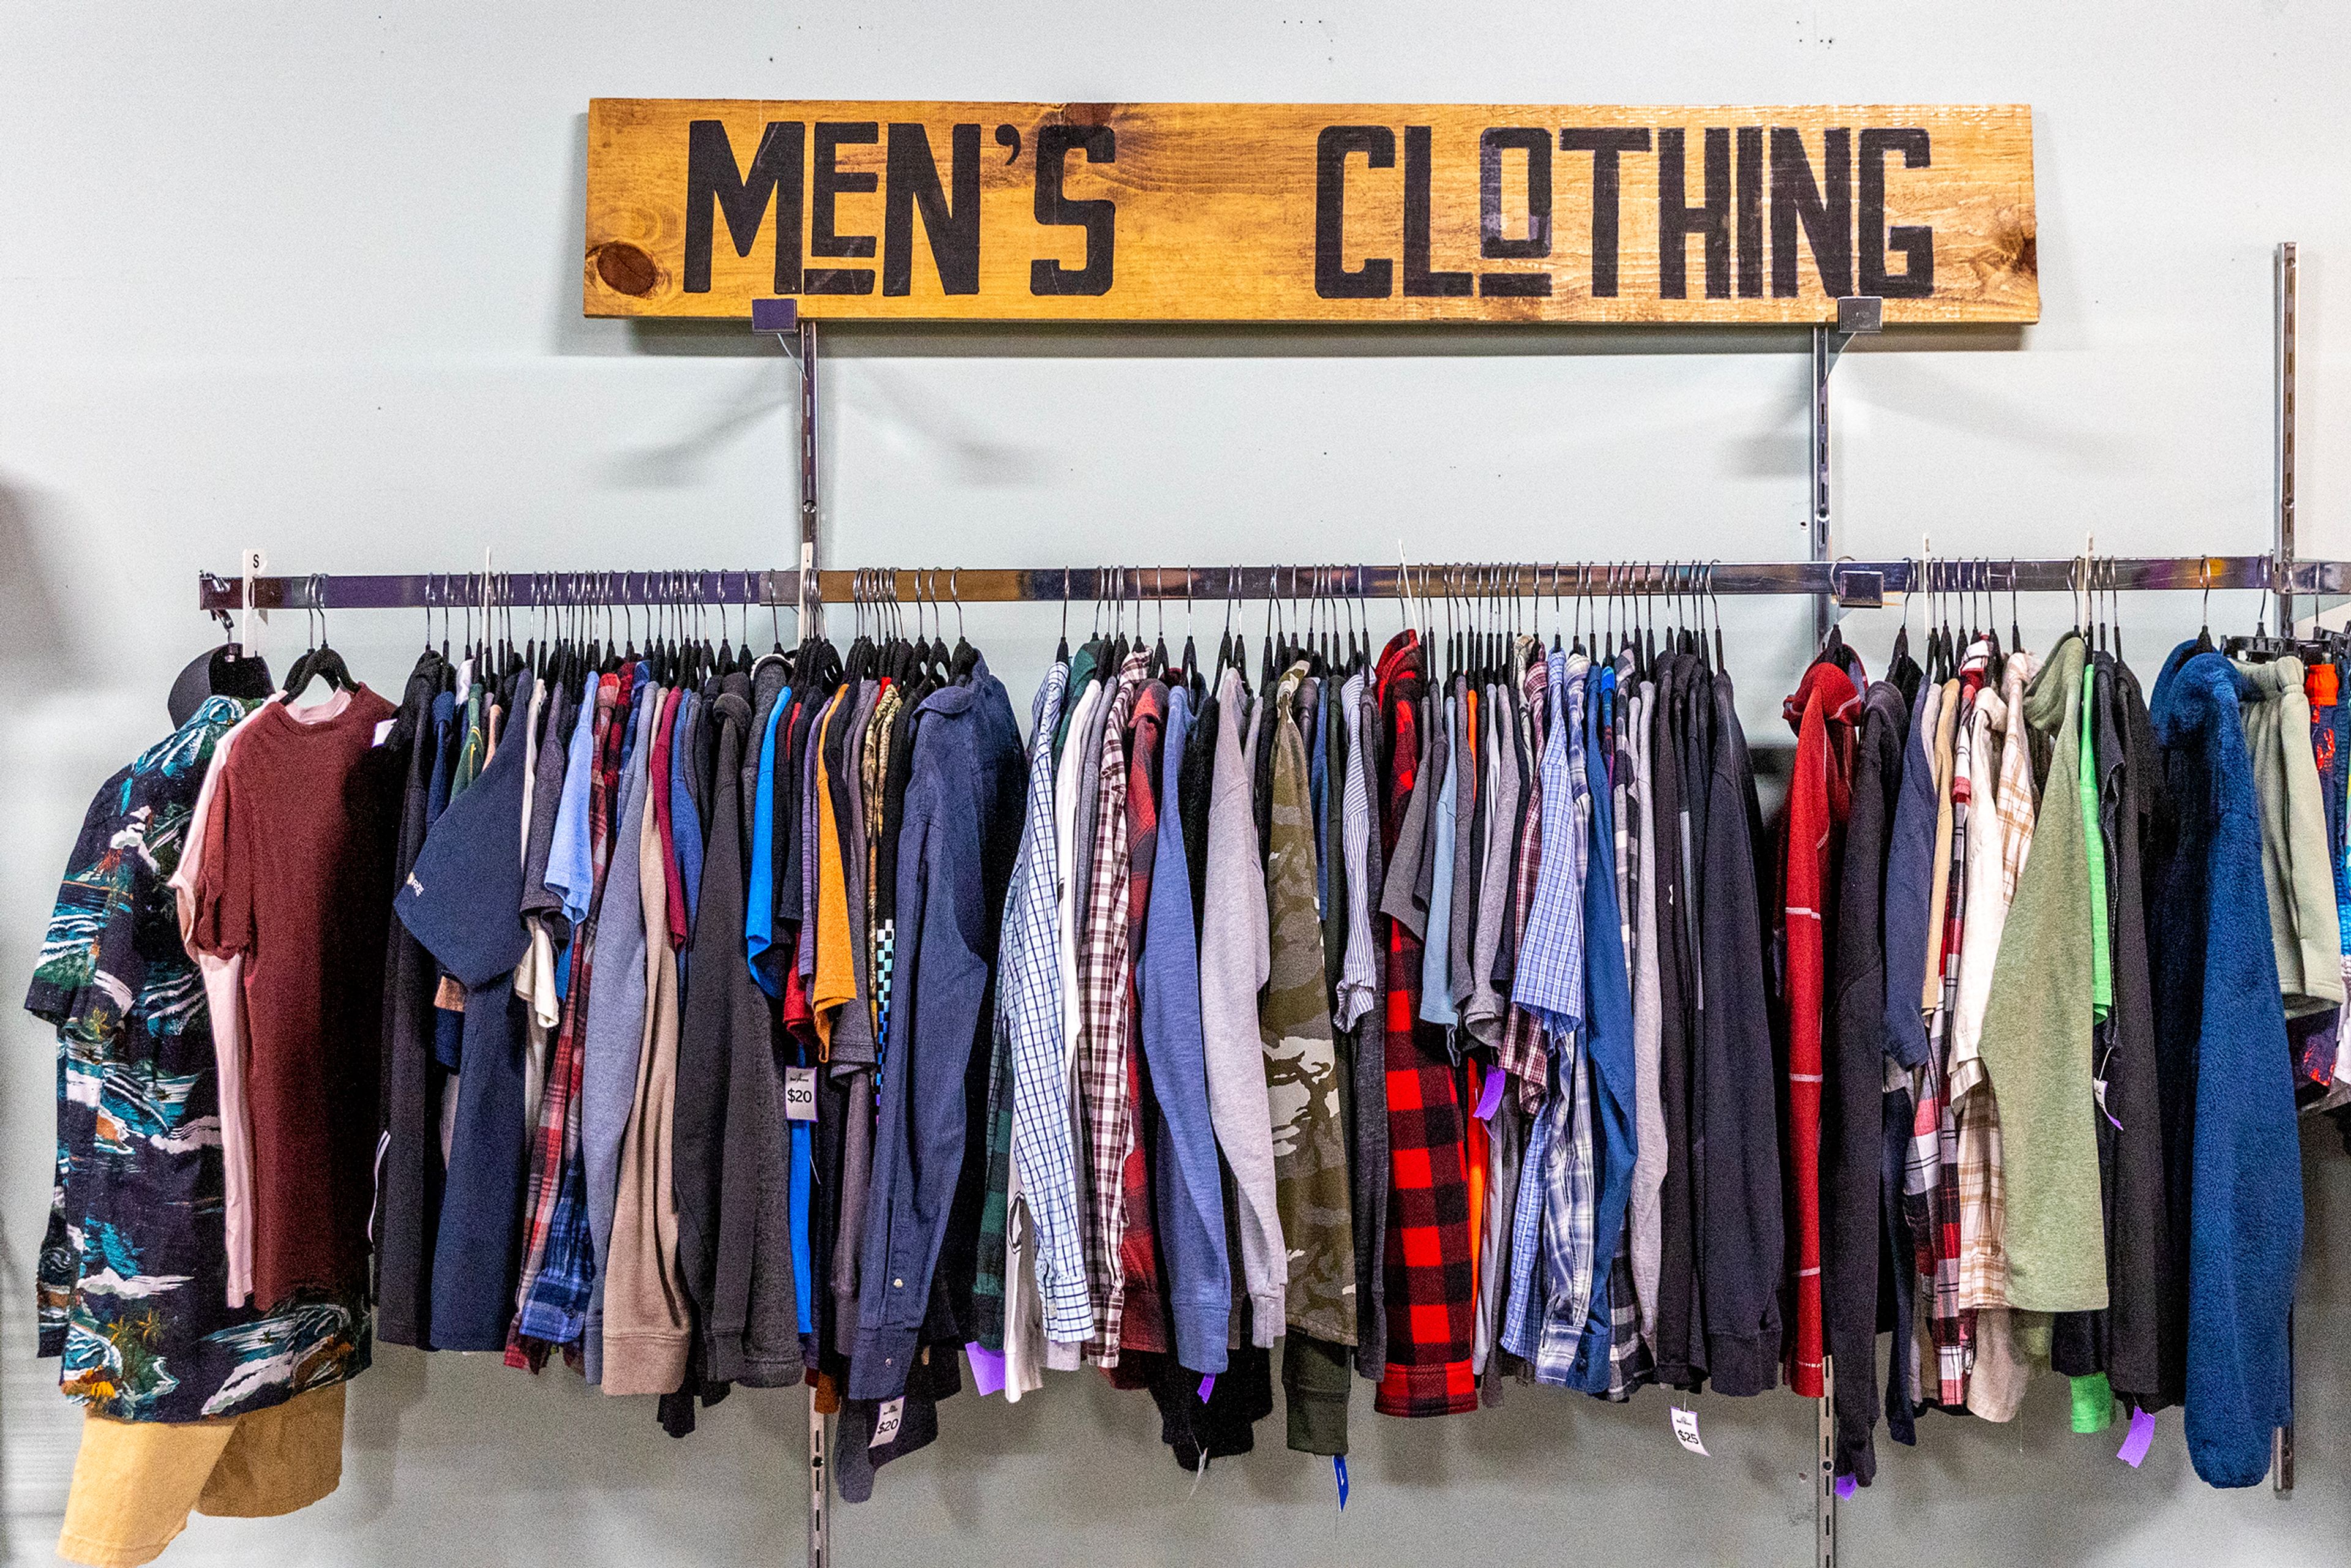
pixel 463 900
pixel 2226 1078
pixel 955 848
pixel 1910 890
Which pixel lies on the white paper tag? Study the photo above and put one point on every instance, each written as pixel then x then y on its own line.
pixel 885 1421
pixel 383 731
pixel 1686 1430
pixel 800 1093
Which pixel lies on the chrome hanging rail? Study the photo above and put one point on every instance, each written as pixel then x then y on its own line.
pixel 1851 584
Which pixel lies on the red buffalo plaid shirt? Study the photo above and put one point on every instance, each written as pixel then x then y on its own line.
pixel 1431 1291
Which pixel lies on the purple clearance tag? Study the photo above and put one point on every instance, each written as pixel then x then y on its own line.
pixel 1490 1098
pixel 2142 1434
pixel 1207 1386
pixel 987 1368
pixel 1846 1486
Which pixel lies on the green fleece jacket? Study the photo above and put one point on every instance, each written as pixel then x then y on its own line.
pixel 2036 1036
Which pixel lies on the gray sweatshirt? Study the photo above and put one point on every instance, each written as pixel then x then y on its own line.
pixel 615 1020
pixel 1487 1008
pixel 1236 960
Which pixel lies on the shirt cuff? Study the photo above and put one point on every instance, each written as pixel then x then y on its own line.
pixel 877 1366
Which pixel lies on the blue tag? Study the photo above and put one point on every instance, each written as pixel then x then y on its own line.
pixel 1338 1468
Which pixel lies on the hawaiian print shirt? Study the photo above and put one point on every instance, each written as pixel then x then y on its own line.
pixel 133 1279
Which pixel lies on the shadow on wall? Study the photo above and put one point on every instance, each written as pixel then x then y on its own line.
pixel 44 645
pixel 925 428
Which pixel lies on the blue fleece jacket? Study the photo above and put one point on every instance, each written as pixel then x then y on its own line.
pixel 2230 1141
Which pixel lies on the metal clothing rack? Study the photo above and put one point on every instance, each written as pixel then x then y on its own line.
pixel 1831 581
pixel 1847 583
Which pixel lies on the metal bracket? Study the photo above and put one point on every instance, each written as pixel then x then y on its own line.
pixel 796 333
pixel 1857 315
pixel 1856 588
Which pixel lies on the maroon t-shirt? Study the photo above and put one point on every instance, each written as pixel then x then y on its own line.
pixel 296 874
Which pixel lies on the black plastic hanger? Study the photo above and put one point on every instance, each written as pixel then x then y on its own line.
pixel 322 660
pixel 1062 649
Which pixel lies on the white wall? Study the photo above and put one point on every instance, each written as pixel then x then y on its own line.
pixel 307 277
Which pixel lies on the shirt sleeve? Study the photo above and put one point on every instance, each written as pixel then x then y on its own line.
pixel 223 923
pixel 66 983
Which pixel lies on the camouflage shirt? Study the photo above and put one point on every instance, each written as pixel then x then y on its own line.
pixel 1302 1069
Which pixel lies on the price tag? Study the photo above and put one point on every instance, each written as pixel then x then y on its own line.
pixel 1490 1098
pixel 1685 1431
pixel 885 1422
pixel 987 1368
pixel 383 731
pixel 2142 1433
pixel 800 1093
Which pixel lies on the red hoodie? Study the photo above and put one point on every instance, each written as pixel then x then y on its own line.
pixel 1821 711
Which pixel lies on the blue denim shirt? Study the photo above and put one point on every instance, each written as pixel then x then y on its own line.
pixel 963 791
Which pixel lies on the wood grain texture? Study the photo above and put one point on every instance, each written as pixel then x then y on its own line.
pixel 1216 208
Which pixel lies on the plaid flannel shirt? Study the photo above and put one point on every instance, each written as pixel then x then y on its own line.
pixel 1550 980
pixel 1431 1297
pixel 1572 1166
pixel 1630 1364
pixel 1105 987
pixel 1951 1331
pixel 1998 721
pixel 1523 1052
pixel 559 1252
pixel 1522 1314
pixel 1144 1320
pixel 1028 1012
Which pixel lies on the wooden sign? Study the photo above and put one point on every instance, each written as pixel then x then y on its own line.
pixel 1320 213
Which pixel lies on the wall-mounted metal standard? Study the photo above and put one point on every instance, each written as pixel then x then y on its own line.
pixel 1857 315
pixel 2287 280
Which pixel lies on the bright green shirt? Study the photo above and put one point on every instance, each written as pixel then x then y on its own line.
pixel 2102 974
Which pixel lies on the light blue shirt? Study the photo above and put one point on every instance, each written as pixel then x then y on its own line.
pixel 570 872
